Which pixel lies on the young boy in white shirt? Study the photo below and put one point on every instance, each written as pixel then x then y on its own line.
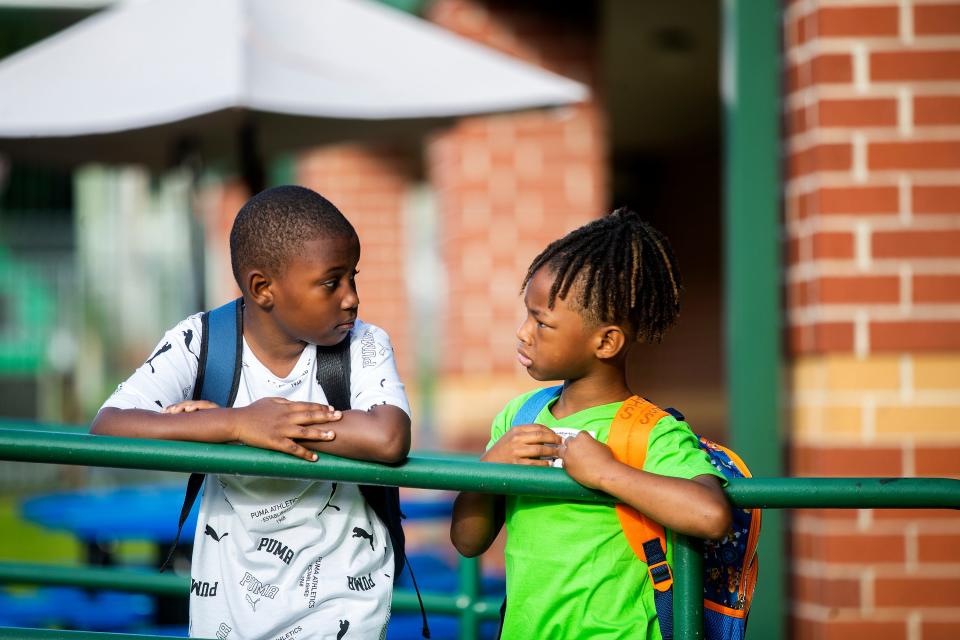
pixel 277 558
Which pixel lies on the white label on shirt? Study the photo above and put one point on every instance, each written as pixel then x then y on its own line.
pixel 565 433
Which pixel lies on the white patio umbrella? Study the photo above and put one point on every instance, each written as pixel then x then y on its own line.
pixel 145 80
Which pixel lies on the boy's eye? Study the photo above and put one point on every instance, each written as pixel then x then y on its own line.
pixel 330 284
pixel 540 325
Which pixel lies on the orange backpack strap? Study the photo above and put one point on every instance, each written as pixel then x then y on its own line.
pixel 628 440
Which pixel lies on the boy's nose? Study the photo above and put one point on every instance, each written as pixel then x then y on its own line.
pixel 350 301
pixel 523 332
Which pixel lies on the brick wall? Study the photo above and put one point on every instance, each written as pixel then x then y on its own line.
pixel 506 186
pixel 872 190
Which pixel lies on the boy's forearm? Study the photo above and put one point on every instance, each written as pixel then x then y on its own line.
pixel 212 425
pixel 695 507
pixel 477 519
pixel 381 434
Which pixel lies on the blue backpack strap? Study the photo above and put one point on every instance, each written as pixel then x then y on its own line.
pixel 218 378
pixel 221 345
pixel 533 405
pixel 656 558
pixel 526 414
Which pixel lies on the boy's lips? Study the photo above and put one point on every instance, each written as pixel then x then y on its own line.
pixel 523 359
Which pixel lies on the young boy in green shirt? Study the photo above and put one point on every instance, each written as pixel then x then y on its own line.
pixel 570 570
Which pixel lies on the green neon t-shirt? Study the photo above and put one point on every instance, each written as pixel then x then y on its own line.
pixel 570 571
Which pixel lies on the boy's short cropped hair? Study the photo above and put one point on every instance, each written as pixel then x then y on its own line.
pixel 617 269
pixel 274 224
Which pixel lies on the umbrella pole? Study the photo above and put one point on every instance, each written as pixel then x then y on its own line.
pixel 251 160
pixel 187 155
pixel 198 239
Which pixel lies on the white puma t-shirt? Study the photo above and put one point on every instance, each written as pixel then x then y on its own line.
pixel 278 559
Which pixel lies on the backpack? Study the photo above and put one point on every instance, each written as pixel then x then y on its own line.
pixel 730 565
pixel 218 378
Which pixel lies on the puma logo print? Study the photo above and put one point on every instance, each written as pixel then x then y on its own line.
pixel 253 603
pixel 363 583
pixel 332 506
pixel 187 339
pixel 209 531
pixel 344 625
pixel 360 533
pixel 166 347
pixel 158 403
pixel 382 380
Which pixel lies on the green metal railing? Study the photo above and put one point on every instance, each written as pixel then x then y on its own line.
pixel 51 444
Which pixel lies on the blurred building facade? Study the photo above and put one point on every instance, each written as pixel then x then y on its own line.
pixel 871 234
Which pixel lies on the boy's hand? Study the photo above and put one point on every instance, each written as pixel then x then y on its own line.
pixel 277 424
pixel 525 444
pixel 585 459
pixel 189 406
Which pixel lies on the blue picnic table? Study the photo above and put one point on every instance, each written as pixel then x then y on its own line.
pixel 144 512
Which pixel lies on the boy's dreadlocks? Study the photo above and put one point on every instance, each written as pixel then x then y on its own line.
pixel 623 271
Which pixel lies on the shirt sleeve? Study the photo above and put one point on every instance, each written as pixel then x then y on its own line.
pixel 674 451
pixel 373 370
pixel 167 376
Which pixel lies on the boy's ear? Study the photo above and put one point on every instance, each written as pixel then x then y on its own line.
pixel 611 342
pixel 258 285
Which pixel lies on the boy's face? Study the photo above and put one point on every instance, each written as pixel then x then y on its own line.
pixel 315 299
pixel 554 344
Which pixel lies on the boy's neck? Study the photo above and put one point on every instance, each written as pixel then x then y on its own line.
pixel 599 388
pixel 274 349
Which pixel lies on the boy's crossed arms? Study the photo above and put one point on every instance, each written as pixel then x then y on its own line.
pixel 268 423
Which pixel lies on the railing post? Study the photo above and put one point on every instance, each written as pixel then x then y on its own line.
pixel 752 72
pixel 468 572
pixel 687 588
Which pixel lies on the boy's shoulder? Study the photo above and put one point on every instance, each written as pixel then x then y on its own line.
pixel 672 417
pixel 185 336
pixel 193 321
pixel 511 408
pixel 369 344
pixel 373 370
pixel 188 334
pixel 362 329
pixel 504 419
pixel 189 330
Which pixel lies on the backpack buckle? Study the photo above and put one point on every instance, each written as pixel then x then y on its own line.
pixel 661 576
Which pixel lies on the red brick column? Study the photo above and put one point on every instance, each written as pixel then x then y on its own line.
pixel 369 184
pixel 506 186
pixel 872 105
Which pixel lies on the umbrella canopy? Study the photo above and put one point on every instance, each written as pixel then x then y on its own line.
pixel 144 80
